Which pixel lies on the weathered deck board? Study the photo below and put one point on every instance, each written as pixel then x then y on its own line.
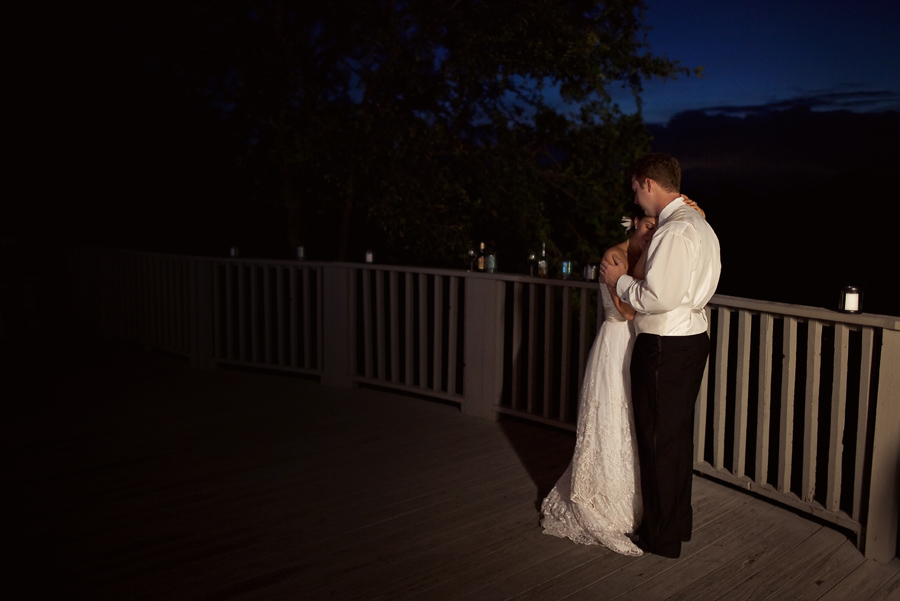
pixel 135 477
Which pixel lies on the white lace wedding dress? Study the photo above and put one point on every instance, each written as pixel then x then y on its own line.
pixel 598 499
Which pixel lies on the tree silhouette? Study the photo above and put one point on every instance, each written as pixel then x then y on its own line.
pixel 417 127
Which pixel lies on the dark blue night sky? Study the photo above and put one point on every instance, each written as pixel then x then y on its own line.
pixel 761 54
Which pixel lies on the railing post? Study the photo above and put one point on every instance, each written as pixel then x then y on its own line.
pixel 202 335
pixel 337 320
pixel 483 352
pixel 884 494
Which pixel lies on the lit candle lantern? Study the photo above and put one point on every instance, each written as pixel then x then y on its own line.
pixel 851 300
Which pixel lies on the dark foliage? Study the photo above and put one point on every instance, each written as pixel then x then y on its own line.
pixel 415 128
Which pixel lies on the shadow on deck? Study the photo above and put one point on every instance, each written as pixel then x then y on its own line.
pixel 132 476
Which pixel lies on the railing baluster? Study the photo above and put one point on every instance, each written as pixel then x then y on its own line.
pixel 452 330
pixel 150 296
pixel 394 334
pixel 548 348
pixel 532 348
pixel 354 312
pixel 742 395
pixel 267 314
pixel 171 306
pixel 409 330
pixel 516 344
pixel 129 296
pixel 811 417
pixel 142 297
pixel 315 302
pixel 583 335
pixel 367 322
pixel 254 312
pixel 437 353
pixel 152 289
pixel 721 388
pixel 838 415
pixel 162 297
pixel 134 267
pixel 564 355
pixel 380 346
pixel 293 317
pixel 132 264
pixel 187 323
pixel 702 404
pixel 230 310
pixel 423 330
pixel 175 302
pixel 280 322
pixel 788 384
pixel 155 292
pixel 243 347
pixel 117 296
pixel 160 315
pixel 118 293
pixel 216 312
pixel 175 270
pixel 305 301
pixel 764 407
pixel 147 296
pixel 862 423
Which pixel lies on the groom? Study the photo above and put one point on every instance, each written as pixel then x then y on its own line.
pixel 671 347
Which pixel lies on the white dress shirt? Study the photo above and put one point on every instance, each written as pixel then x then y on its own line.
pixel 683 268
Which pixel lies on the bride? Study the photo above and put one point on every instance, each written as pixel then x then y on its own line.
pixel 598 499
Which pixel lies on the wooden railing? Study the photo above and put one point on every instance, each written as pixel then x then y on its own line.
pixel 798 404
pixel 263 314
pixel 801 405
pixel 146 297
pixel 267 314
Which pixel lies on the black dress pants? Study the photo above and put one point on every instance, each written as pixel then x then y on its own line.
pixel 666 372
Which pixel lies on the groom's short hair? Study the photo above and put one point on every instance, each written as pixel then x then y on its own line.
pixel 662 168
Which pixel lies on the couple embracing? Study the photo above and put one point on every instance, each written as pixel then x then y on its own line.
pixel 628 486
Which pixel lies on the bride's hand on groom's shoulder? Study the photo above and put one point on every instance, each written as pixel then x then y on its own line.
pixel 693 205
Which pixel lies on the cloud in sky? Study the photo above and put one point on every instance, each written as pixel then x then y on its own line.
pixel 859 101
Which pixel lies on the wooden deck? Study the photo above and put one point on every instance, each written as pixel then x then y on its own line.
pixel 131 476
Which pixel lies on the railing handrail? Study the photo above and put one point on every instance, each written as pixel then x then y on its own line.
pixel 887 322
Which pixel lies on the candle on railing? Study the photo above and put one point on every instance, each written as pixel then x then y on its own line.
pixel 851 300
pixel 234 252
pixel 301 253
pixel 370 256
